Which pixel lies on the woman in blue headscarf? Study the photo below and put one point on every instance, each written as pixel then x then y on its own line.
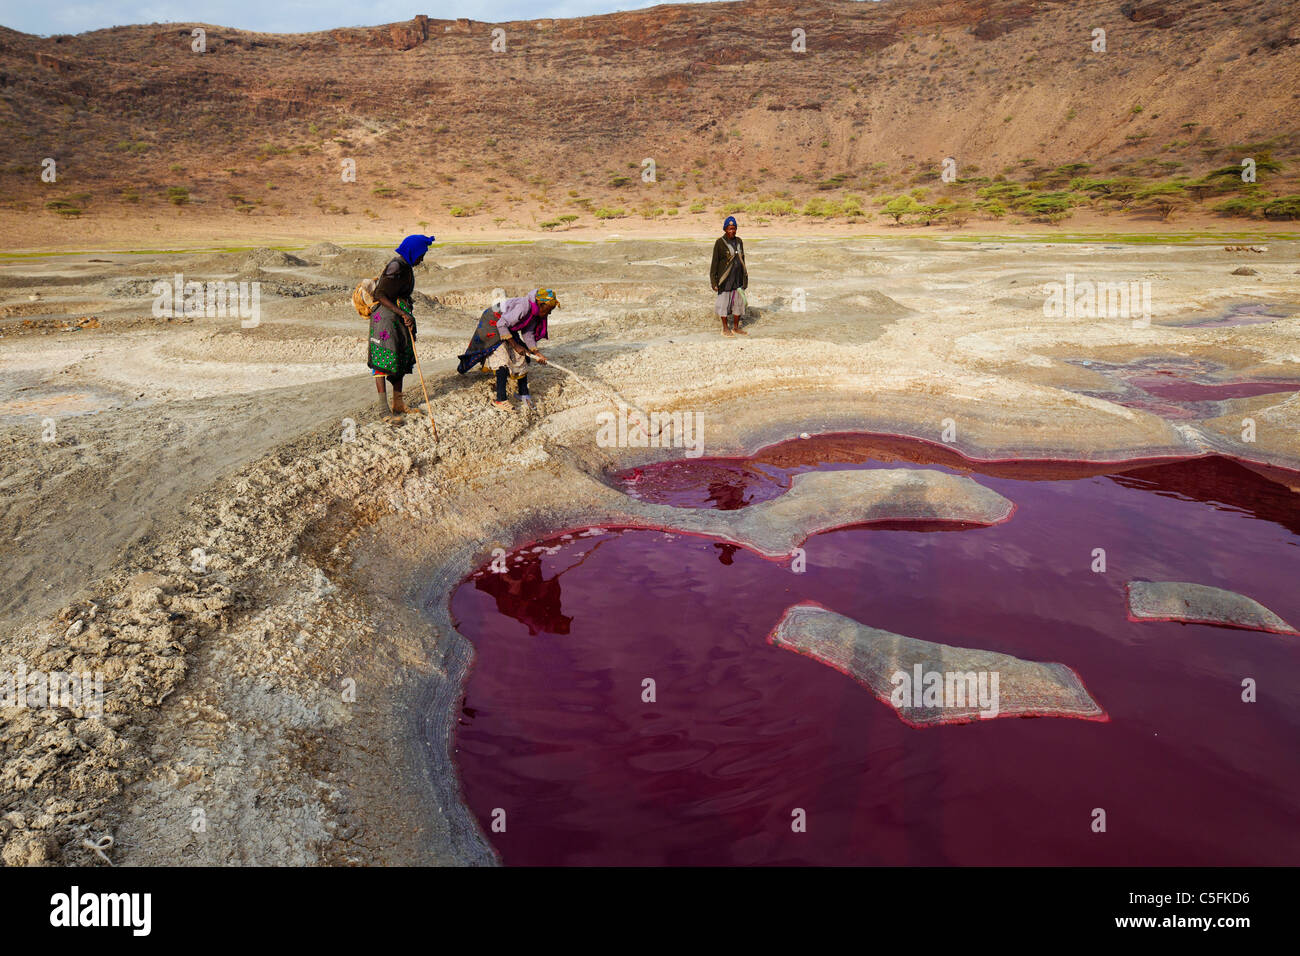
pixel 729 278
pixel 392 325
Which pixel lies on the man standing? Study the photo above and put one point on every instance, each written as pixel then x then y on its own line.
pixel 729 277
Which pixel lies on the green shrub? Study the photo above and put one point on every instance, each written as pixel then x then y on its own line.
pixel 1263 164
pixel 1283 207
pixel 833 182
pixel 1239 206
pixel 63 208
pixel 772 207
pixel 1049 206
pixel 266 152
pixel 814 207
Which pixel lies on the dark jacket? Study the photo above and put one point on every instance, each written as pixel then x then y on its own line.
pixel 738 277
pixel 397 281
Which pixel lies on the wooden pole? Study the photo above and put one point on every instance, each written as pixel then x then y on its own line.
pixel 427 407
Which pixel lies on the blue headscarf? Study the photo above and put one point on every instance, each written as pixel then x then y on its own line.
pixel 413 248
pixel 730 221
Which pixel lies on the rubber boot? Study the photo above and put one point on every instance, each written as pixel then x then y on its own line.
pixel 399 407
pixel 380 387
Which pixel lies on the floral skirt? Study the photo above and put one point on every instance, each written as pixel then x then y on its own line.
pixel 391 351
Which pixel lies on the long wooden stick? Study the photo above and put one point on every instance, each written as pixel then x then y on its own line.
pixel 569 371
pixel 427 407
pixel 617 397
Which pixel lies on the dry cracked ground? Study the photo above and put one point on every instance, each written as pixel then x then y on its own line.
pixel 213 518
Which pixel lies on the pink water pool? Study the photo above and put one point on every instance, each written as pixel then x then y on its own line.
pixel 1202 392
pixel 742 738
pixel 1179 388
pixel 1249 313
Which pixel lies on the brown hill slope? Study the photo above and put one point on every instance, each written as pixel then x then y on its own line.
pixel 439 125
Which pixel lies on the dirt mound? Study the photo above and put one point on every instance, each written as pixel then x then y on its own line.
pixel 215 264
pixel 533 271
pixel 130 289
pixel 322 249
pixel 421 303
pixel 357 264
pixel 879 305
pixel 464 300
pixel 270 283
pixel 270 257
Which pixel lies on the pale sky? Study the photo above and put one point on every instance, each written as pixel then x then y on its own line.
pixel 283 16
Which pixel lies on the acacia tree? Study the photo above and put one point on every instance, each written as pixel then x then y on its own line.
pixel 1164 198
pixel 901 206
